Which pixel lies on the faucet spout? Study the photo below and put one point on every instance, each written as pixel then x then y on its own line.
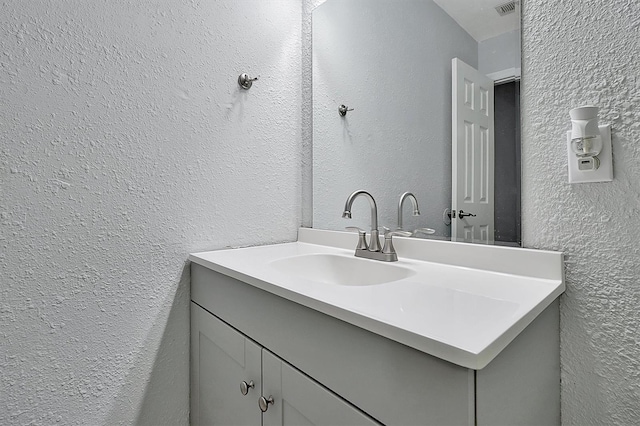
pixel 414 201
pixel 374 243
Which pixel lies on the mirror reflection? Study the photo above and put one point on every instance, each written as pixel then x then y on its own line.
pixel 393 84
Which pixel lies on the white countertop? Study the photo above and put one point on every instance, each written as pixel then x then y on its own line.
pixel 464 303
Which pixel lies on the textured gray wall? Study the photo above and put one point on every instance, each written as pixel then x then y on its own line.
pixel 499 53
pixel 307 113
pixel 125 144
pixel 579 52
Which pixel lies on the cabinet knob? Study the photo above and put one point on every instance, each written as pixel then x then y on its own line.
pixel 244 386
pixel 264 403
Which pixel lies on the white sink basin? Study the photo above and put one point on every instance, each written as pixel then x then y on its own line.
pixel 341 270
pixel 463 303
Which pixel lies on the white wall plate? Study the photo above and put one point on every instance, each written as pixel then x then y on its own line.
pixel 604 173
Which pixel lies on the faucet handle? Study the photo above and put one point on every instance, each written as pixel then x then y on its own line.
pixel 388 233
pixel 355 229
pixel 427 231
pixel 388 240
pixel 362 239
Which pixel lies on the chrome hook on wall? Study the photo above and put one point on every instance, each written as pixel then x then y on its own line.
pixel 245 82
pixel 343 109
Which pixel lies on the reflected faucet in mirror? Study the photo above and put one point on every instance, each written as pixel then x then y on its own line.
pixel 423 231
pixel 414 201
pixel 416 212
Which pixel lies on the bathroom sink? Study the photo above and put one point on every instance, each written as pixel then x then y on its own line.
pixel 341 270
pixel 463 303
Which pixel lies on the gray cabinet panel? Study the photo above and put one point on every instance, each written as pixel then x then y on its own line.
pixel 521 386
pixel 221 358
pixel 299 400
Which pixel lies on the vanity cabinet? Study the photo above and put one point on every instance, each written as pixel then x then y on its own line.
pixel 328 367
pixel 230 373
pixel 221 359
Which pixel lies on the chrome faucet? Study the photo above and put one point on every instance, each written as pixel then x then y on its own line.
pixel 414 201
pixel 372 250
pixel 416 212
pixel 374 241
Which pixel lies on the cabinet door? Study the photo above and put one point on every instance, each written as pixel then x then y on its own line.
pixel 221 359
pixel 300 401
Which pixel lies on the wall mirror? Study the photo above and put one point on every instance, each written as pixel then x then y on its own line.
pixel 391 63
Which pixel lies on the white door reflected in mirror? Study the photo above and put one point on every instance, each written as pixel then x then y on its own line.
pixel 473 155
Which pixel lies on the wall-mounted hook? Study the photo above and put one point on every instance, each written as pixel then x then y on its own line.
pixel 342 110
pixel 245 82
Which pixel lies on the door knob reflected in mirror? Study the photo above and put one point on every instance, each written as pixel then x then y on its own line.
pixel 462 214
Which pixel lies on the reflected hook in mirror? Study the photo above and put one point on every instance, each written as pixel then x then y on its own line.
pixel 343 109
